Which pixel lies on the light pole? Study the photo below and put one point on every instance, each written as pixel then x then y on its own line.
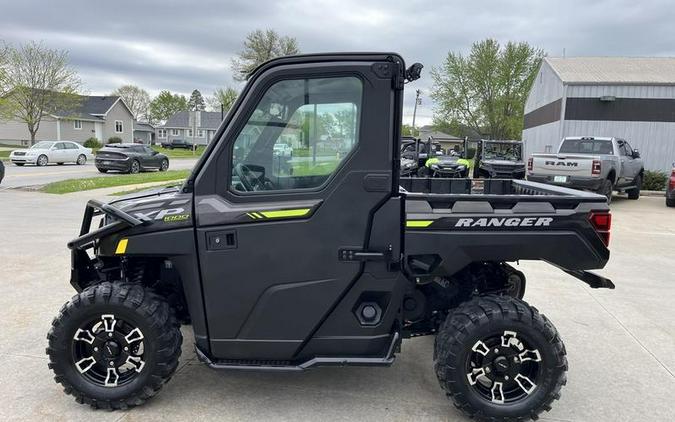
pixel 418 101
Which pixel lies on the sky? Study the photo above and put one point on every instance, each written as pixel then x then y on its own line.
pixel 183 45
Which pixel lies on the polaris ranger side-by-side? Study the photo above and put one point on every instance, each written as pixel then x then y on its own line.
pixel 333 263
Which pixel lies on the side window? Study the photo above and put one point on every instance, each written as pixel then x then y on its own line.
pixel 60 145
pixel 299 133
pixel 70 145
pixel 622 147
pixel 629 150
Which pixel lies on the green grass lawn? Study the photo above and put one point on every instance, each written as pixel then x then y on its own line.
pixel 76 185
pixel 180 153
pixel 4 154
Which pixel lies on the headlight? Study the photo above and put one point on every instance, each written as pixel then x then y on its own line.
pixel 434 166
pixel 461 168
pixel 31 153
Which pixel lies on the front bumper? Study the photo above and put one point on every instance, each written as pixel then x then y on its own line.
pixel 575 182
pixel 23 159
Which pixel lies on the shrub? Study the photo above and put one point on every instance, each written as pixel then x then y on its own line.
pixel 92 143
pixel 654 180
pixel 115 140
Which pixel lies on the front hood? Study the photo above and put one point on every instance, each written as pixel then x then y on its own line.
pixel 148 195
pixel 446 161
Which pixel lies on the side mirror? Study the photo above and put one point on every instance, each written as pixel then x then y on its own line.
pixel 636 153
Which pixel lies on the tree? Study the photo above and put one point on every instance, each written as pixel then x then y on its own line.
pixel 166 105
pixel 259 47
pixel 136 98
pixel 485 92
pixel 222 97
pixel 39 81
pixel 196 101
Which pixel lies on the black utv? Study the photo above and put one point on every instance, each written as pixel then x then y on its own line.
pixel 334 263
pixel 499 159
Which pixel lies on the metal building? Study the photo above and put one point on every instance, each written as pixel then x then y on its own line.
pixel 628 97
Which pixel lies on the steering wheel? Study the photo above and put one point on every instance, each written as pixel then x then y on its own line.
pixel 251 182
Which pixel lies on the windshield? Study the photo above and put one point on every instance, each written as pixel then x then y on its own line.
pixel 586 146
pixel 502 151
pixel 42 145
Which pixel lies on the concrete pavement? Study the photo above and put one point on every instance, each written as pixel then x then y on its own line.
pixel 16 177
pixel 620 343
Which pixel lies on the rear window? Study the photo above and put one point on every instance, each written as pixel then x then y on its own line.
pixel 586 146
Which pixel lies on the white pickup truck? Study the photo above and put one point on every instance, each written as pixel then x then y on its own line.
pixel 602 165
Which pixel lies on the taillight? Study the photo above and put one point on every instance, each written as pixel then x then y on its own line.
pixel 596 167
pixel 530 164
pixel 671 184
pixel 602 223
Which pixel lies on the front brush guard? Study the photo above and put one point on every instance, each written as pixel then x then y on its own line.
pixel 122 220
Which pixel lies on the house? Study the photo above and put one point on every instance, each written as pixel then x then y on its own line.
pixel 627 97
pixel 101 117
pixel 144 132
pixel 197 127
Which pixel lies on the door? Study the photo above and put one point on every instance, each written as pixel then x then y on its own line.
pixel 59 153
pixel 627 163
pixel 72 151
pixel 633 165
pixel 273 229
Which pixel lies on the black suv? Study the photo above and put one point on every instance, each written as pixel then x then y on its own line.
pixel 130 158
pixel 177 143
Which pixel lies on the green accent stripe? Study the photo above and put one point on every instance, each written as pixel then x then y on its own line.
pixel 300 212
pixel 418 223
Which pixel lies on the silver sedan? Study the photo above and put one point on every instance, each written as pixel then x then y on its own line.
pixel 58 152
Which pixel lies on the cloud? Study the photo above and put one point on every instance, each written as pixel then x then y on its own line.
pixel 181 46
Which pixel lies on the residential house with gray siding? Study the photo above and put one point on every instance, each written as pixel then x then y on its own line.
pixel 101 117
pixel 626 97
pixel 197 127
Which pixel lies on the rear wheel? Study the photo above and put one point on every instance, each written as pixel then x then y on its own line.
pixel 114 345
pixel 498 358
pixel 81 159
pixel 134 167
pixel 42 160
pixel 670 202
pixel 606 190
pixel 635 192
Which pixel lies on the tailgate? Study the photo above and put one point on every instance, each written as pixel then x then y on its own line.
pixel 562 164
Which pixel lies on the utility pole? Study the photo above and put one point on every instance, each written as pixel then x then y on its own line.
pixel 418 100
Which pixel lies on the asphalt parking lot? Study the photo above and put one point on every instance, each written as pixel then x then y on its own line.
pixel 620 343
pixel 20 177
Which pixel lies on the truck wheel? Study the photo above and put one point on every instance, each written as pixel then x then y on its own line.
pixel 498 358
pixel 114 345
pixel 635 192
pixel 606 190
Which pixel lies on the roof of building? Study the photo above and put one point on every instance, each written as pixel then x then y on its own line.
pixel 209 120
pixel 143 127
pixel 90 107
pixel 614 70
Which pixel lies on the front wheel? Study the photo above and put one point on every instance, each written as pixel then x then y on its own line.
pixel 114 345
pixel 498 358
pixel 635 192
pixel 164 166
pixel 42 160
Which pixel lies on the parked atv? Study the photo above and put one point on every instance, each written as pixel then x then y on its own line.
pixel 333 263
pixel 499 159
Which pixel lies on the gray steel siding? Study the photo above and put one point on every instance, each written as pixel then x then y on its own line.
pixel 13 130
pixel 655 140
pixel 546 88
pixel 69 133
pixel 119 112
pixel 621 91
pixel 537 139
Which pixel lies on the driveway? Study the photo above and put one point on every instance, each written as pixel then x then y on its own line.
pixel 620 343
pixel 16 177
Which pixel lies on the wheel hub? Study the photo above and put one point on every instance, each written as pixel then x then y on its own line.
pixel 111 349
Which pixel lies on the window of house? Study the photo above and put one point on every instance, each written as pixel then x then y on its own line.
pixel 189 133
pixel 119 126
pixel 161 133
pixel 77 124
pixel 200 133
pixel 175 132
pixel 298 135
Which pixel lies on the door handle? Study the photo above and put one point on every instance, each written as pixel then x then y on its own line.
pixel 361 255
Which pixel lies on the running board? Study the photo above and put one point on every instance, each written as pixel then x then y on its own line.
pixel 318 361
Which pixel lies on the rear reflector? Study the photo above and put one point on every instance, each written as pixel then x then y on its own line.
pixel 596 167
pixel 671 183
pixel 602 223
pixel 530 164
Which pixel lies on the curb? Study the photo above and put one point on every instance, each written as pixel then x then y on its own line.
pixel 653 192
